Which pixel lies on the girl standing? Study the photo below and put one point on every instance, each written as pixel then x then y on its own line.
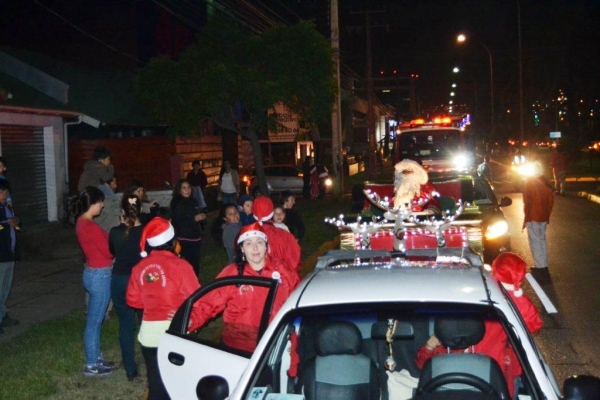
pixel 186 215
pixel 124 244
pixel 96 276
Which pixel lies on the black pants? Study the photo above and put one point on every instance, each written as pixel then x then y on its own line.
pixel 190 251
pixel 156 387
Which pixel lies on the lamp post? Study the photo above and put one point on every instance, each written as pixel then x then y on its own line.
pixel 462 38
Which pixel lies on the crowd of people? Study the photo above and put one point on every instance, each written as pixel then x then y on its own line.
pixel 145 260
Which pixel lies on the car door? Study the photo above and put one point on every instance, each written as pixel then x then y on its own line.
pixel 292 179
pixel 186 357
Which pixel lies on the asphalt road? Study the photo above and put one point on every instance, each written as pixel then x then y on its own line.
pixel 568 339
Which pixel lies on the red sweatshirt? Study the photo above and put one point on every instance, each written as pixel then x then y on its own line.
pixel 242 306
pixel 283 246
pixel 94 243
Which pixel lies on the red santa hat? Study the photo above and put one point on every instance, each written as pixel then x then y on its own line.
pixel 252 230
pixel 510 270
pixel 262 208
pixel 157 232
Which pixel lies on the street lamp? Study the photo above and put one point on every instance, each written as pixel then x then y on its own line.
pixel 462 38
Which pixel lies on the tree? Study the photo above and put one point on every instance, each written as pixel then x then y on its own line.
pixel 233 79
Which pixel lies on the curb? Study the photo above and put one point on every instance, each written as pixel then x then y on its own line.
pixel 589 196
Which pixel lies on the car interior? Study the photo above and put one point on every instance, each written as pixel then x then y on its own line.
pixel 370 353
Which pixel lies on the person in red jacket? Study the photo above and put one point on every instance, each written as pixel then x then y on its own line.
pixel 159 284
pixel 242 306
pixel 282 244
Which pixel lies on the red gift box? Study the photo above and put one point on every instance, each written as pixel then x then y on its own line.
pixel 415 238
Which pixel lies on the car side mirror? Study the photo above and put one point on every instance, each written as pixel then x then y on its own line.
pixel 212 387
pixel 505 202
pixel 581 387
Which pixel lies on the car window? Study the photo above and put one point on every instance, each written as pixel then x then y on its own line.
pixel 289 171
pixel 353 341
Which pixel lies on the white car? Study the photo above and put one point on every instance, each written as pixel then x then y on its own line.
pixel 358 316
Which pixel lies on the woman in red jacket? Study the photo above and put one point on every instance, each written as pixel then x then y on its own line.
pixel 159 284
pixel 96 276
pixel 242 306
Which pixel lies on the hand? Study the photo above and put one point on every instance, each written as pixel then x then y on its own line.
pixel 200 217
pixel 14 222
pixel 153 203
pixel 432 343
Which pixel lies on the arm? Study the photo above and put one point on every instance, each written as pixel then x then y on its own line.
pixel 427 351
pixel 133 295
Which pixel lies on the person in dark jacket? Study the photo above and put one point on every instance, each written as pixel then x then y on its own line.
pixel 97 170
pixel 8 241
pixel 186 217
pixel 293 220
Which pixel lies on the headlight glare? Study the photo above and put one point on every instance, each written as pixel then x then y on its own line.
pixel 497 229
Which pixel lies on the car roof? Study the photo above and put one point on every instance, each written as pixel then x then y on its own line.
pixel 396 280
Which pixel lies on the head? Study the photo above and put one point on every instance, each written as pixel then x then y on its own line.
pixel 279 214
pixel 245 204
pixel 510 269
pixel 486 158
pixel 158 234
pixel 409 175
pixel 231 214
pixel 3 191
pixel 137 188
pixel 196 165
pixel 102 154
pixel 112 184
pixel 131 207
pixel 182 189
pixel 262 208
pixel 288 199
pixel 227 166
pixel 253 245
pixel 90 199
pixel 3 165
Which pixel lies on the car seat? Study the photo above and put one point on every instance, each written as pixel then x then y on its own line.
pixel 462 371
pixel 339 370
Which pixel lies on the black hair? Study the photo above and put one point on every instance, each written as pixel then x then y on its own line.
pixel 195 162
pixel 3 161
pixel 177 189
pixel 168 246
pixel 100 153
pixel 132 208
pixel 284 196
pixel 164 212
pixel 4 184
pixel 89 196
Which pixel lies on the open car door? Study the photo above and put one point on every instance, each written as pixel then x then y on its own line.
pixel 184 358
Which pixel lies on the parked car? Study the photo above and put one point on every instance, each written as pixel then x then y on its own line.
pixel 488 231
pixel 281 177
pixel 355 314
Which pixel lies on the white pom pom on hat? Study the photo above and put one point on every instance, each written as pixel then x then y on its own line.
pixel 157 232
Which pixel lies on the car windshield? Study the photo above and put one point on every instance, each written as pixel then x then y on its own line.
pixel 354 351
pixel 435 143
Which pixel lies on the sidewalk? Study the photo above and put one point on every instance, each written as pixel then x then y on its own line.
pixel 48 279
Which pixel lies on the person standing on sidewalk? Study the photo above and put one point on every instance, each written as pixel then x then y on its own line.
pixel 124 244
pixel 96 276
pixel 8 241
pixel 558 162
pixel 538 200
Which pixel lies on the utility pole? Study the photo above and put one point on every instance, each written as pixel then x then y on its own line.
pixel 336 113
pixel 370 98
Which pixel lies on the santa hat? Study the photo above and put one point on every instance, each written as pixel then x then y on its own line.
pixel 510 270
pixel 252 230
pixel 262 208
pixel 157 232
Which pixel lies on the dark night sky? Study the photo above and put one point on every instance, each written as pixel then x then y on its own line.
pixel 560 39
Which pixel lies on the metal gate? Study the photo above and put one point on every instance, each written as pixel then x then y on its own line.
pixel 23 149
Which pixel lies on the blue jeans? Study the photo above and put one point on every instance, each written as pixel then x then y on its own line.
pixel 127 323
pixel 7 270
pixel 97 283
pixel 228 198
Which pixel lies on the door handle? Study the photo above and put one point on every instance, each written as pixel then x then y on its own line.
pixel 176 359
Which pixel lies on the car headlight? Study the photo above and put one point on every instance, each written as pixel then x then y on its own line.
pixel 460 161
pixel 529 169
pixel 496 230
pixel 328 182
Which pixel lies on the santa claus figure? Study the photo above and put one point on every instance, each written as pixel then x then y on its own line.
pixel 412 189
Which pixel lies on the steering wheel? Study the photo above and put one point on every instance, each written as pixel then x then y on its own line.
pixel 458 377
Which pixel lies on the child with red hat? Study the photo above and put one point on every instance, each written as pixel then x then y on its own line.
pixel 510 269
pixel 159 284
pixel 282 244
pixel 242 306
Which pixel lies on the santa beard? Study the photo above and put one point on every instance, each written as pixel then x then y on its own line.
pixel 407 187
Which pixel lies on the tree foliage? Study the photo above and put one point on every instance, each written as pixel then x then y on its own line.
pixel 226 71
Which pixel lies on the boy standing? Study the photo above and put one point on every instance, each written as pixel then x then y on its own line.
pixel 8 240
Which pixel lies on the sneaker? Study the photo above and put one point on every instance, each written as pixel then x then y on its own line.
pixel 107 364
pixel 97 370
pixel 8 321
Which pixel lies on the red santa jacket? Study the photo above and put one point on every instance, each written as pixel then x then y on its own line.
pixel 426 200
pixel 283 246
pixel 159 284
pixel 494 344
pixel 528 311
pixel 242 306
